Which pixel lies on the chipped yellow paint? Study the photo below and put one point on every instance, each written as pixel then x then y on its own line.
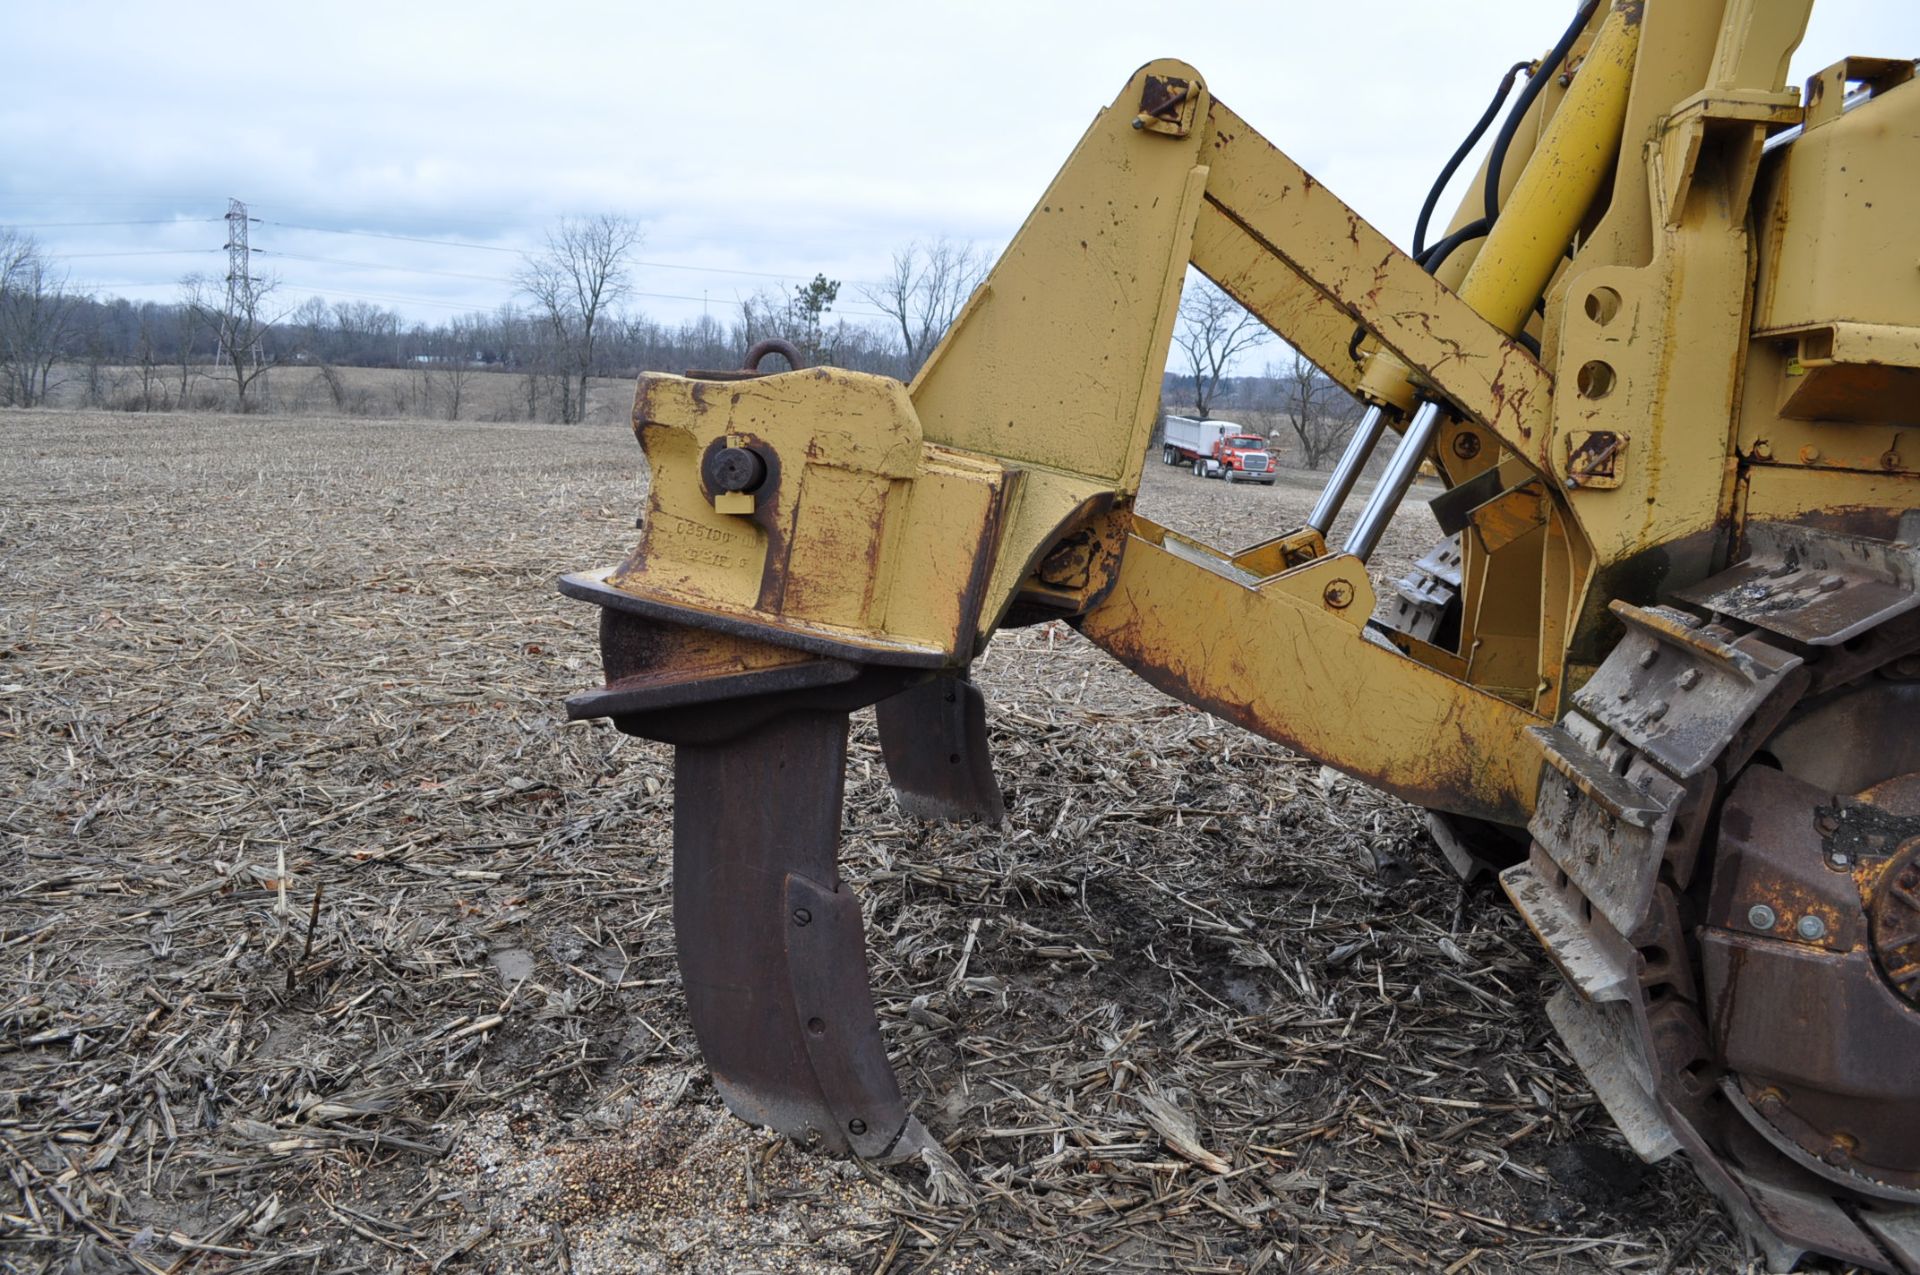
pixel 905 523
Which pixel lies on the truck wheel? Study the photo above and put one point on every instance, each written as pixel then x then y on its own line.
pixel 1231 476
pixel 1166 455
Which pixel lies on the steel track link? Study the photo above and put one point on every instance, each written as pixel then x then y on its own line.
pixel 1652 938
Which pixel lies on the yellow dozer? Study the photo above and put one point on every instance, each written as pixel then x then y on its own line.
pixel 1663 674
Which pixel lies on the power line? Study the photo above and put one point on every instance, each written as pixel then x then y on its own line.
pixel 239 251
pixel 419 239
pixel 90 201
pixel 378 234
pixel 391 300
pixel 452 274
pixel 68 225
pixel 482 247
pixel 138 252
pixel 309 288
pixel 318 290
pixel 375 265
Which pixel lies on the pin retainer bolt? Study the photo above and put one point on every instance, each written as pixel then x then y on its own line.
pixel 1762 917
pixel 1811 928
pixel 736 469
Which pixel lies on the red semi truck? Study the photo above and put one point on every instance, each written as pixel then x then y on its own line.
pixel 1217 449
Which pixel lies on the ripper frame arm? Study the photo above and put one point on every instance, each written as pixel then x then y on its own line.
pixel 899 526
pixel 819 540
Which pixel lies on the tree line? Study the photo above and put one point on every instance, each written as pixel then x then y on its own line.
pixel 567 322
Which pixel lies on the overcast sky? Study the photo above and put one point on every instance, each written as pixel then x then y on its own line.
pixel 756 143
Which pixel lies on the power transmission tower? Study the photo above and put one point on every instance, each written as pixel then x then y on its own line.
pixel 240 279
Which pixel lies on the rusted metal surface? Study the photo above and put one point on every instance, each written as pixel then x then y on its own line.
pixel 1894 918
pixel 812 507
pixel 934 738
pixel 1513 514
pixel 1475 848
pixel 1167 105
pixel 1426 601
pixel 1452 506
pixel 1822 1056
pixel 1795 1213
pixel 1770 1042
pixel 1604 1040
pixel 1594 458
pixel 1480 369
pixel 832 1003
pixel 653 666
pixel 1218 637
pixel 1613 831
pixel 1738 1006
pixel 773 345
pixel 1820 588
pixel 592 586
pixel 750 366
pixel 770 943
pixel 1678 684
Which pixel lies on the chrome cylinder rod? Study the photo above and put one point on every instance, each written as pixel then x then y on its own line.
pixel 1392 487
pixel 1359 450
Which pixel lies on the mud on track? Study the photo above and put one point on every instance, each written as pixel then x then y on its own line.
pixel 325 945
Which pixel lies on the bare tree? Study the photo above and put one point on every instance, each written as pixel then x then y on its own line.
pixel 451 371
pixel 1214 331
pixel 923 293
pixel 1321 413
pixel 364 335
pixel 185 332
pixel 146 354
pixel 36 320
pixel 239 318
pixel 572 283
pixel 310 324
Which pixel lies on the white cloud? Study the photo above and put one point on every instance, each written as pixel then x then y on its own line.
pixel 784 139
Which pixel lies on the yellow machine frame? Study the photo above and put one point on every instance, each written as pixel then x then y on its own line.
pixel 1668 338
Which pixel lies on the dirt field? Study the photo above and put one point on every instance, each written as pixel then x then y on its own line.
pixel 327 946
pixel 304 389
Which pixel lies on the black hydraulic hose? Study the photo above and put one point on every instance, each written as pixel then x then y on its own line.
pixel 1431 259
pixel 1460 155
pixel 1497 157
pixel 1437 255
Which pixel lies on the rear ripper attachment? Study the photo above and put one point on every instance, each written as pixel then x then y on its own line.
pixel 1681 660
pixel 770 941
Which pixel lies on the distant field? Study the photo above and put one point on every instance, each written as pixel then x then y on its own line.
pixel 304 390
pixel 327 945
pixel 397 393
